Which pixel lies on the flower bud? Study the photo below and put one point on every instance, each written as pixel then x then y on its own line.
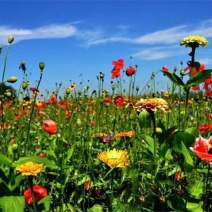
pixel 68 91
pixel 24 85
pixel 182 72
pixel 10 39
pixel 12 79
pixel 41 66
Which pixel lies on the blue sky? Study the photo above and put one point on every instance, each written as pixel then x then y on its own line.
pixel 79 39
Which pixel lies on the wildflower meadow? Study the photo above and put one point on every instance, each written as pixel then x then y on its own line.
pixel 126 149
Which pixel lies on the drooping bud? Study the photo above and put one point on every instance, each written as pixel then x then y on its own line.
pixel 12 79
pixel 10 39
pixel 182 72
pixel 68 91
pixel 24 85
pixel 41 66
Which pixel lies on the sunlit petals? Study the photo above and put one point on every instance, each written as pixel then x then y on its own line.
pixel 187 41
pixel 30 168
pixel 114 158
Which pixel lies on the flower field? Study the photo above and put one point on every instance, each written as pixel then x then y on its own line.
pixel 123 150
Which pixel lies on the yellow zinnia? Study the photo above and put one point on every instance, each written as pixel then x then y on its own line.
pixel 152 104
pixel 114 158
pixel 188 41
pixel 30 168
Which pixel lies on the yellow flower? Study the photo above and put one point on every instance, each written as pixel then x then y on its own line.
pixel 99 135
pixel 128 134
pixel 188 41
pixel 114 158
pixel 152 104
pixel 30 168
pixel 72 86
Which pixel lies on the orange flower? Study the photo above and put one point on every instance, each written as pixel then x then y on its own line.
pixel 49 126
pixel 128 134
pixel 30 168
pixel 40 104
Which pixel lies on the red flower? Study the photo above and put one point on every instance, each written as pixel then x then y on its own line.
pixel 177 175
pixel 39 193
pixel 53 99
pixel 207 83
pixel 165 69
pixel 49 126
pixel 202 149
pixel 195 88
pixel 107 100
pixel 34 90
pixel 87 185
pixel 205 127
pixel 119 101
pixel 118 65
pixel 130 71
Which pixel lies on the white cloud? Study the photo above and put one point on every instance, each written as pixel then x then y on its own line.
pixel 206 61
pixel 49 31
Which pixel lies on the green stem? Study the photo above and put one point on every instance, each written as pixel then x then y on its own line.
pixel 32 193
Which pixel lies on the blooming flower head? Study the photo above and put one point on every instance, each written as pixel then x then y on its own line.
pixel 205 128
pixel 130 71
pixel 118 65
pixel 114 158
pixel 202 149
pixel 53 99
pixel 165 68
pixel 119 101
pixel 30 168
pixel 190 40
pixel 128 134
pixel 152 104
pixel 39 193
pixel 72 86
pixel 49 126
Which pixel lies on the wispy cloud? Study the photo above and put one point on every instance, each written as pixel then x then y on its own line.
pixel 166 36
pixel 49 31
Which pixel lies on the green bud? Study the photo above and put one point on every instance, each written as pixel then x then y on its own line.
pixel 182 72
pixel 144 119
pixel 79 123
pixel 10 39
pixel 24 85
pixel 41 66
pixel 8 94
pixel 12 79
pixel 68 91
pixel 137 88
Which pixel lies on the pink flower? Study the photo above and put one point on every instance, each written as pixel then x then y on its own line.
pixel 202 149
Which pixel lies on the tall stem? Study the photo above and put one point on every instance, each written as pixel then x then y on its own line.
pixel 32 193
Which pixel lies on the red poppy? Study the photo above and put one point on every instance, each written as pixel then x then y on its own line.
pixel 205 127
pixel 115 73
pixel 53 99
pixel 93 123
pixel 118 65
pixel 130 71
pixel 49 126
pixel 165 69
pixel 119 101
pixel 202 149
pixel 39 193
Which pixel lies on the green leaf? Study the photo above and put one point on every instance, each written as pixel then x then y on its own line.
pixel 96 208
pixel 150 141
pixel 44 203
pixel 18 179
pixel 198 78
pixel 12 203
pixel 35 159
pixel 194 207
pixel 174 78
pixel 4 159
